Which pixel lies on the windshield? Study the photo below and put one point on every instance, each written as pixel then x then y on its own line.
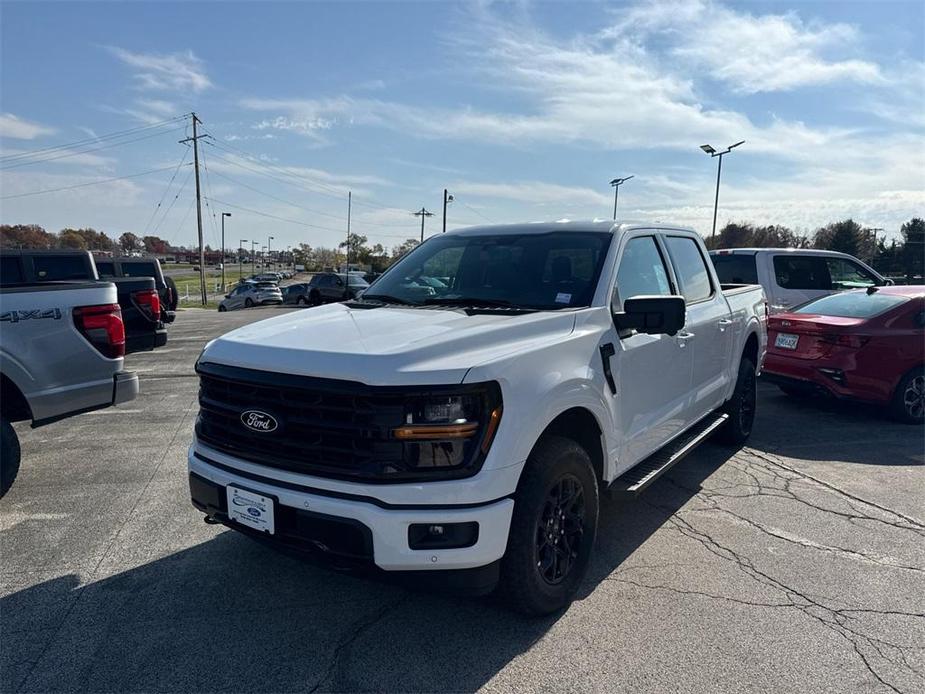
pixel 356 281
pixel 853 304
pixel 537 271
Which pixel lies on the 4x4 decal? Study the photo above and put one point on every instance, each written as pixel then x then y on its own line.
pixel 35 314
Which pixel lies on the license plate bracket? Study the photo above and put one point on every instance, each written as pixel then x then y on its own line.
pixel 251 509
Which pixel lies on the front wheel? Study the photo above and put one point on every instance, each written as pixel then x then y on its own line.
pixel 315 298
pixel 552 529
pixel 222 308
pixel 9 456
pixel 249 303
pixel 909 399
pixel 302 301
pixel 741 406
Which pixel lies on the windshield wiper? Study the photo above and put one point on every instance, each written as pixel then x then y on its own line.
pixel 468 301
pixel 386 299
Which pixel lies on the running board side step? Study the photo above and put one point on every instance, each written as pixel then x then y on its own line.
pixel 640 476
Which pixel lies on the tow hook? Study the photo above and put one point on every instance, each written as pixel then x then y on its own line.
pixel 211 520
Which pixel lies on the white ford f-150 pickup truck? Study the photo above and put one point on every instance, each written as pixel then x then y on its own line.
pixel 61 353
pixel 458 423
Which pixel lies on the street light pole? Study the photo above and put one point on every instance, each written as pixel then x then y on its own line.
pixel 616 183
pixel 254 257
pixel 719 170
pixel 269 239
pixel 447 198
pixel 224 214
pixel 241 243
pixel 423 213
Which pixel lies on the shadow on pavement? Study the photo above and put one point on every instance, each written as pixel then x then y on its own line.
pixel 231 615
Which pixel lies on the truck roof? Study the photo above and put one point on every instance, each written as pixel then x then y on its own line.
pixel 801 251
pixel 596 225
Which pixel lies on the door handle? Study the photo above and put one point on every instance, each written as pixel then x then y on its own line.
pixel 724 323
pixel 607 351
pixel 683 338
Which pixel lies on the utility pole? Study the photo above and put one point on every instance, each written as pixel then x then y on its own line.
pixel 241 243
pixel 202 255
pixel 447 198
pixel 253 257
pixel 269 239
pixel 423 213
pixel 224 214
pixel 349 206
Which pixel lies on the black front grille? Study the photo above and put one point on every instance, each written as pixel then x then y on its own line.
pixel 327 428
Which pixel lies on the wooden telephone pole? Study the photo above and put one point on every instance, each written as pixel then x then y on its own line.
pixel 202 256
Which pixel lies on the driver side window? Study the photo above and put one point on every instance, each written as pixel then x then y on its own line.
pixel 642 271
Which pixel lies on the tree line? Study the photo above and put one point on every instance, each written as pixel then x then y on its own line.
pixel 903 257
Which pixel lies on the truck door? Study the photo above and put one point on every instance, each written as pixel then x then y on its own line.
pixel 652 372
pixel 708 329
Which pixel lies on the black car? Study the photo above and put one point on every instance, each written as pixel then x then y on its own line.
pixel 324 288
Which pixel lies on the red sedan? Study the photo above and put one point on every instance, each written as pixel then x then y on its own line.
pixel 866 344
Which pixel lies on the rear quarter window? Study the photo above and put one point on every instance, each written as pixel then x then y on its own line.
pixel 736 268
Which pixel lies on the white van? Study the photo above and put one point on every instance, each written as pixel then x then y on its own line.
pixel 793 276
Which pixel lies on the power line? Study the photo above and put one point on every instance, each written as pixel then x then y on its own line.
pixel 166 190
pixel 172 202
pixel 83 185
pixel 89 140
pixel 87 151
pixel 472 209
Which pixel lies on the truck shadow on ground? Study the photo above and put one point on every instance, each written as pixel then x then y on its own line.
pixel 816 427
pixel 231 615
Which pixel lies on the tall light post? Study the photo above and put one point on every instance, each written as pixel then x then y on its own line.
pixel 269 239
pixel 241 259
pixel 224 214
pixel 254 257
pixel 447 199
pixel 719 169
pixel 616 183
pixel 423 214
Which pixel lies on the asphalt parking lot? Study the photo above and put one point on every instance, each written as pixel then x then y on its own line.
pixel 796 564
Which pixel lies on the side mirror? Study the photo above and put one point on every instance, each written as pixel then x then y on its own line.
pixel 653 315
pixel 887 282
pixel 227 296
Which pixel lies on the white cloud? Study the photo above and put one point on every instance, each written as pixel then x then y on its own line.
pixel 181 71
pixel 751 53
pixel 535 192
pixel 18 129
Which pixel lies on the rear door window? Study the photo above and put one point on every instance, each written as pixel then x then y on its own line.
pixel 802 272
pixel 642 271
pixel 690 268
pixel 53 268
pixel 847 274
pixel 736 268
pixel 10 270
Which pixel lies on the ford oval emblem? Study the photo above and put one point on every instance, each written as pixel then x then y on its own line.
pixel 255 420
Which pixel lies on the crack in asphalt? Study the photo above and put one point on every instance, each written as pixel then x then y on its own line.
pixel 359 628
pixel 768 477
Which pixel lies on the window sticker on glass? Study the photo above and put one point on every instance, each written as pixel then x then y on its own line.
pixel 562 298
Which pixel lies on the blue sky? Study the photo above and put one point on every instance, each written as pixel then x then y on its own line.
pixel 524 111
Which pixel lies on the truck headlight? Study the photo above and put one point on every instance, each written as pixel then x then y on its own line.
pixel 450 432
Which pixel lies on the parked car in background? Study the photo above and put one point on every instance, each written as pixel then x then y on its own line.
pixel 296 294
pixel 464 437
pixel 326 287
pixel 251 294
pixel 61 353
pixel 866 344
pixel 793 276
pixel 138 297
pixel 143 267
pixel 267 277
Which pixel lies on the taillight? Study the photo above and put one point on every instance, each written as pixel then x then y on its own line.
pixel 852 341
pixel 103 328
pixel 149 302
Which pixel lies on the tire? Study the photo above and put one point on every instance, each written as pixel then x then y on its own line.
pixel 741 406
pixel 221 308
pixel 909 397
pixel 302 301
pixel 174 296
pixel 248 303
pixel 314 298
pixel 538 578
pixel 9 456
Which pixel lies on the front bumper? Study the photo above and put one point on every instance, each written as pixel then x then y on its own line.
pixel 384 525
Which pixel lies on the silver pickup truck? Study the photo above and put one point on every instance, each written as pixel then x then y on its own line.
pixel 61 353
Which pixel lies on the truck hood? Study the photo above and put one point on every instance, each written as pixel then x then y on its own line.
pixel 384 346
